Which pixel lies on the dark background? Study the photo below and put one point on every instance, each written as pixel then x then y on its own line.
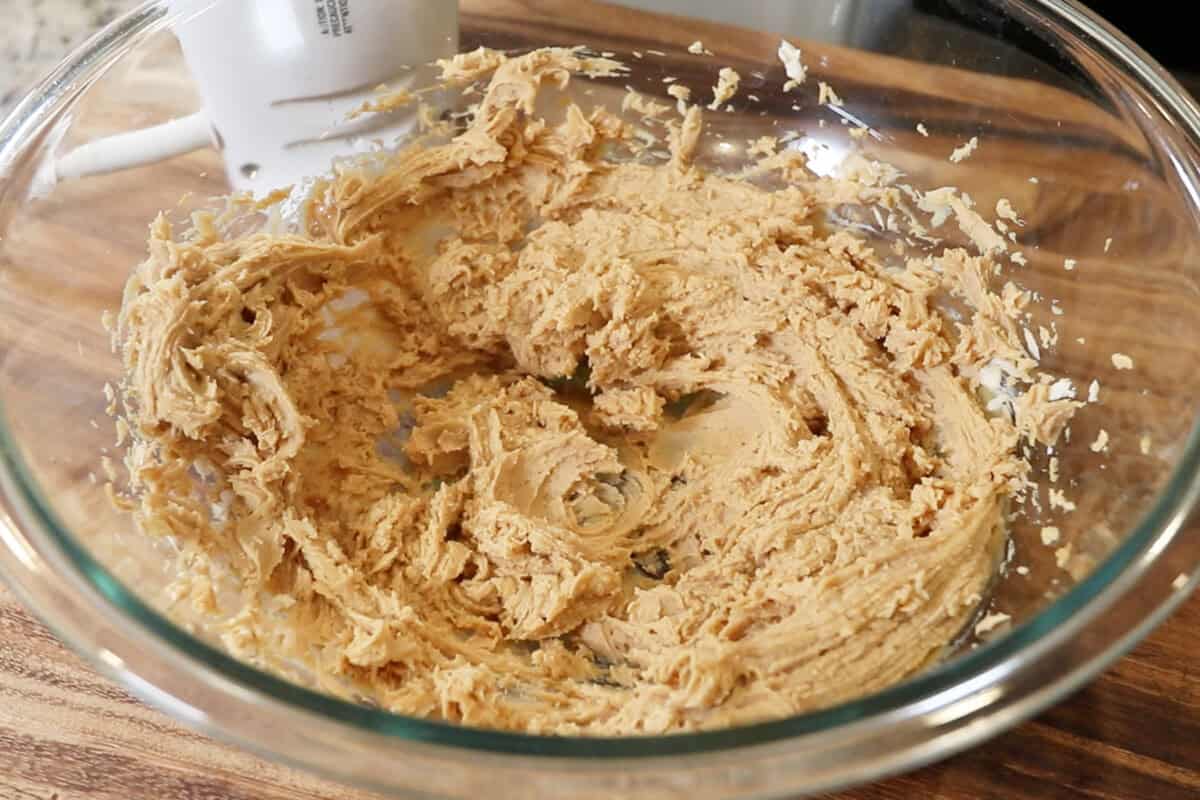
pixel 1158 26
pixel 1151 24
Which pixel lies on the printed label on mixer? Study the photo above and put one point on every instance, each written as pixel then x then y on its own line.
pixel 333 18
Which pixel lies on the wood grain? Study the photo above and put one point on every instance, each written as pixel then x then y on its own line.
pixel 68 734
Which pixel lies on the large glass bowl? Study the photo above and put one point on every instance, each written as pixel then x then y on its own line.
pixel 1091 141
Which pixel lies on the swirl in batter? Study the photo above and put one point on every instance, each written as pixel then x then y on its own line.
pixel 519 433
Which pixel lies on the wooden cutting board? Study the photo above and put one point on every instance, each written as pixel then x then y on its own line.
pixel 68 734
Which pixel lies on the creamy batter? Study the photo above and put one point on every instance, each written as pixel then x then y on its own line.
pixel 520 433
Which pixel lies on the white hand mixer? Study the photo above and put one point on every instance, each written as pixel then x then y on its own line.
pixel 279 80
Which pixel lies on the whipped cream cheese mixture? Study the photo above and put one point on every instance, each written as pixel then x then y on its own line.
pixel 525 429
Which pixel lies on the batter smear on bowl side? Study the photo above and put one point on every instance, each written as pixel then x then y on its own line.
pixel 520 432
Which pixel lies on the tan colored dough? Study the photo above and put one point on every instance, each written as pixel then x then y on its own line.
pixel 522 435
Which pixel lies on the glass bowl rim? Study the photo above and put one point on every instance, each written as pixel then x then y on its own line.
pixel 1123 566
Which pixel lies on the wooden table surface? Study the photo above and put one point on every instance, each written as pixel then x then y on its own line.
pixel 67 733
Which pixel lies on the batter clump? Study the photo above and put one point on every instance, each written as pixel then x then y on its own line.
pixel 521 433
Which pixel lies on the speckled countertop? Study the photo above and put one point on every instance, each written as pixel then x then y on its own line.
pixel 36 34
